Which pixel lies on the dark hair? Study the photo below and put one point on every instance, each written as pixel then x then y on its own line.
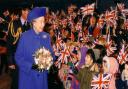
pixel 90 52
pixel 24 8
pixel 102 53
pixel 89 44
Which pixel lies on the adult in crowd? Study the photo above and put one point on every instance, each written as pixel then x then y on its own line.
pixel 15 29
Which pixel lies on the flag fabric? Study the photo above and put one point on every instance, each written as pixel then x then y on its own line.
pixel 110 49
pixel 101 81
pixel 123 55
pixel 110 15
pixel 63 58
pixel 125 11
pixel 59 42
pixel 88 9
pixel 120 6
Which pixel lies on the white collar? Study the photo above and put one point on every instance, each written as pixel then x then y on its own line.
pixel 22 20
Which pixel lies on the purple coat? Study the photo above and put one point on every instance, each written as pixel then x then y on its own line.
pixel 83 51
pixel 28 44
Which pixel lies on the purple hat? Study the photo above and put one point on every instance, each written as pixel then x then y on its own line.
pixel 36 13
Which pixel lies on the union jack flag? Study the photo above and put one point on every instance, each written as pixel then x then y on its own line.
pixel 123 55
pixel 101 81
pixel 58 42
pixel 110 49
pixel 88 9
pixel 63 58
pixel 109 15
pixel 120 6
pixel 125 11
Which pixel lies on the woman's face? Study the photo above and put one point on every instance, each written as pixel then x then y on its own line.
pixel 88 60
pixel 38 24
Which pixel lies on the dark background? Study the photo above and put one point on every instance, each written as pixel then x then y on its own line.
pixel 60 4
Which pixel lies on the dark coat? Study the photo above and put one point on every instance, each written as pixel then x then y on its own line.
pixel 15 29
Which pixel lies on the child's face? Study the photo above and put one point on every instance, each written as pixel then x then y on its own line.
pixel 88 60
pixel 105 66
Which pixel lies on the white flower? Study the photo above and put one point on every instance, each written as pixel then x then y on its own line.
pixel 41 50
pixel 36 60
pixel 43 58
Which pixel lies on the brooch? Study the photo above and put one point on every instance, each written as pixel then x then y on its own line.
pixel 44 36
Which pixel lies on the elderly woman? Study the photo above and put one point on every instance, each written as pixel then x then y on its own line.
pixel 30 42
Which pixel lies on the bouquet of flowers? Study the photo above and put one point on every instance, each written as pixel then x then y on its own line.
pixel 43 59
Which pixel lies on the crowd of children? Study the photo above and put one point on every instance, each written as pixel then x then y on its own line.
pixel 91 49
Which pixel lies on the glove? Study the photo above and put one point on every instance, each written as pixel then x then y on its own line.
pixel 34 66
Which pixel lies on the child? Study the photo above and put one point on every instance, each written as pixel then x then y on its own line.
pixel 110 65
pixel 87 71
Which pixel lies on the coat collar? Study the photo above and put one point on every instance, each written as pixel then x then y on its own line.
pixel 42 35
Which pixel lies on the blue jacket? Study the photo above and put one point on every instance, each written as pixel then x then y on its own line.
pixel 28 44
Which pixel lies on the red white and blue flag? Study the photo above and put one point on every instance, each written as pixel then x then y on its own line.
pixel 123 55
pixel 101 81
pixel 88 9
pixel 63 58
